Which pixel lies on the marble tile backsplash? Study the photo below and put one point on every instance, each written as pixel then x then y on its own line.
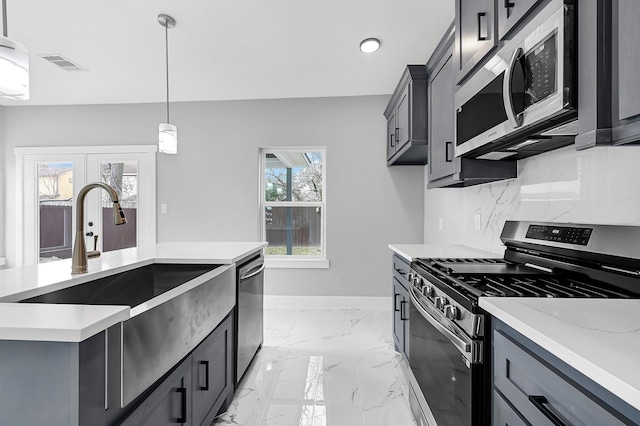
pixel 597 185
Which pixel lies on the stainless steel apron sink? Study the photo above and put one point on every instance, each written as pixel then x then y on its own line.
pixel 173 308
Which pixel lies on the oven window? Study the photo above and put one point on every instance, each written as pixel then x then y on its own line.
pixel 441 372
pixel 482 112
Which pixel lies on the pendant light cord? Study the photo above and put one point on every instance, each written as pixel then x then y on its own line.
pixel 166 43
pixel 4 18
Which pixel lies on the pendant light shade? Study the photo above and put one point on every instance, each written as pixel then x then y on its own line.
pixel 168 142
pixel 167 133
pixel 14 65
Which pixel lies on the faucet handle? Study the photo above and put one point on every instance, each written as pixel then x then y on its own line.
pixel 94 253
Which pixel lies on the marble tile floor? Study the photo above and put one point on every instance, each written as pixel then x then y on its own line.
pixel 323 367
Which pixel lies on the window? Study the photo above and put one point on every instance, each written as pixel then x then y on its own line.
pixel 292 205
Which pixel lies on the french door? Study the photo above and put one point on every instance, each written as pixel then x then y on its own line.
pixel 51 179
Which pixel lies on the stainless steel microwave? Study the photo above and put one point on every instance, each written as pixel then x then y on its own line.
pixel 524 99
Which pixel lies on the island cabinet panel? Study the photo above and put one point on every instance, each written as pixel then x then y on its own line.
pixel 212 374
pixel 476 34
pixel 169 403
pixel 400 287
pixel 531 384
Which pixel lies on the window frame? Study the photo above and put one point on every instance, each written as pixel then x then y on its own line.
pixel 291 261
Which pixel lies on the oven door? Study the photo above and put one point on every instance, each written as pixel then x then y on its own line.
pixel 454 388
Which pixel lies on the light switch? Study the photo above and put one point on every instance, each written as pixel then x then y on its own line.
pixel 163 208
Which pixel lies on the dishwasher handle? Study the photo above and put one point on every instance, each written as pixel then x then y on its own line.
pixel 254 269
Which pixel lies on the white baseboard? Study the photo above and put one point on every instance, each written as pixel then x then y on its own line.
pixel 327 302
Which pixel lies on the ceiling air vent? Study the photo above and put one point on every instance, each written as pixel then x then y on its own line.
pixel 62 62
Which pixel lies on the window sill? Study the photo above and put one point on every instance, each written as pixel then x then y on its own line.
pixel 296 263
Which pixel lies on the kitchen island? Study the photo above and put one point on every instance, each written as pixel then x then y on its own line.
pixel 79 363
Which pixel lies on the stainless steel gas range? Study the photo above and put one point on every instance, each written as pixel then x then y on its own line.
pixel 450 348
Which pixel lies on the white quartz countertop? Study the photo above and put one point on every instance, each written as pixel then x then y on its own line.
pixel 599 338
pixel 74 323
pixel 415 251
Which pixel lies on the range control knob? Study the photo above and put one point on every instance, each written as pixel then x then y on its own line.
pixel 417 281
pixel 428 291
pixel 410 277
pixel 452 312
pixel 441 302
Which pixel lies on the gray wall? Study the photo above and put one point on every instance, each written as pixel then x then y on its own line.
pixel 211 186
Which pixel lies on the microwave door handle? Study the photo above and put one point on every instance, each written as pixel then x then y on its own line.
pixel 514 119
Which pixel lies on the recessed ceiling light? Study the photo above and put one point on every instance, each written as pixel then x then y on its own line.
pixel 369 45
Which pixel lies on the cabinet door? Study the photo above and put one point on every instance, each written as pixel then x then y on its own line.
pixel 442 161
pixel 400 317
pixel 510 12
pixel 503 414
pixel 169 404
pixel 391 135
pixel 403 119
pixel 212 373
pixel 628 59
pixel 475 34
pixel 540 394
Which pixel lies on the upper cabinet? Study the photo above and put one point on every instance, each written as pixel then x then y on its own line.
pixel 407 119
pixel 476 34
pixel 608 57
pixel 445 169
pixel 626 60
pixel 510 12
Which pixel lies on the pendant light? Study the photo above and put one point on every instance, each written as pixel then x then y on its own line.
pixel 14 64
pixel 168 133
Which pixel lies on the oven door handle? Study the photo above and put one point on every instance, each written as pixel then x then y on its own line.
pixel 461 345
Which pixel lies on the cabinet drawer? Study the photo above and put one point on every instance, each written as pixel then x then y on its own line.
pixel 503 414
pixel 540 393
pixel 401 270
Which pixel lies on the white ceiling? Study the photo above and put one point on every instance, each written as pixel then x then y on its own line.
pixel 221 49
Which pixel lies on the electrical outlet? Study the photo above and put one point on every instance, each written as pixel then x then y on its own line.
pixel 477 223
pixel 163 208
pixel 440 224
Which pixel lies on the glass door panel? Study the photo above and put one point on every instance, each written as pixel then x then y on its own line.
pixel 55 210
pixel 123 177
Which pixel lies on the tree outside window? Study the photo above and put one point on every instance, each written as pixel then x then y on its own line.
pixel 293 200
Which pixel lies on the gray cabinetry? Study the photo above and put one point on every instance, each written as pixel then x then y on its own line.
pixel 169 403
pixel 608 60
pixel 400 287
pixel 195 391
pixel 626 63
pixel 444 169
pixel 511 12
pixel 212 378
pixel 532 386
pixel 475 34
pixel 406 116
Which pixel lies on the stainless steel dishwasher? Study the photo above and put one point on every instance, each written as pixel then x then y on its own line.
pixel 249 313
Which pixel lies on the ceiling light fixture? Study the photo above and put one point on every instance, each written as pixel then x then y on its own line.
pixel 369 45
pixel 14 64
pixel 168 133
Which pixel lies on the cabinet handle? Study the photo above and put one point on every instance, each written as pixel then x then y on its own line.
pixel 486 32
pixel 508 4
pixel 391 139
pixel 539 402
pixel 400 271
pixel 183 405
pixel 447 146
pixel 395 303
pixel 206 376
pixel 397 134
pixel 402 317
